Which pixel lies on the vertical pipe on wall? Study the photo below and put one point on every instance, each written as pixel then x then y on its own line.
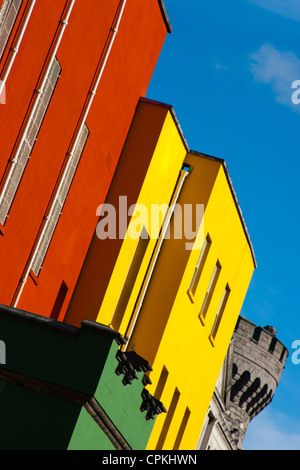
pixel 183 174
pixel 98 76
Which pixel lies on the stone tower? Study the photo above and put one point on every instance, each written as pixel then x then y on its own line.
pixel 246 385
pixel 257 364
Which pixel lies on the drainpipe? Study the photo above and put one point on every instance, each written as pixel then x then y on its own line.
pixel 90 98
pixel 99 73
pixel 185 171
pixel 15 48
pixel 61 28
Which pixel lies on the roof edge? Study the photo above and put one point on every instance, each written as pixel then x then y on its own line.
pixel 170 108
pixel 221 161
pixel 165 16
pixel 39 320
pixel 224 165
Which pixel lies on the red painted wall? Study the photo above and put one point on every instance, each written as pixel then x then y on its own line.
pixel 127 75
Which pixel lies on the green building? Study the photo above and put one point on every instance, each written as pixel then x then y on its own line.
pixel 69 388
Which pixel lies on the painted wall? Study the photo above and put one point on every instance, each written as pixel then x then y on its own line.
pixel 169 332
pixel 180 342
pixel 51 371
pixel 129 69
pixel 146 174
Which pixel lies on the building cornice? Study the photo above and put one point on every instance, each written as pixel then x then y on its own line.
pixel 234 195
pixel 165 16
pixel 221 161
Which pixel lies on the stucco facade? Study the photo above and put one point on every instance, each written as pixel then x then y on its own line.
pixel 175 311
pixel 70 100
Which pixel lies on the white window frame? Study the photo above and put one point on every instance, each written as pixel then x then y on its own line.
pixel 58 202
pixel 8 15
pixel 20 159
pixel 220 312
pixel 210 291
pixel 196 276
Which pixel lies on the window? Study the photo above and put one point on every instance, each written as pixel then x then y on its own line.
pixel 210 291
pixel 199 267
pixel 62 293
pixel 168 420
pixel 220 313
pixel 20 159
pixel 131 278
pixel 58 203
pixel 182 429
pixel 240 384
pixel 161 383
pixel 8 15
pixel 203 444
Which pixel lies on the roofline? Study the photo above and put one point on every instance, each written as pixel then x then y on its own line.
pixel 221 161
pixel 246 320
pixel 229 180
pixel 174 116
pixel 165 16
pixel 55 325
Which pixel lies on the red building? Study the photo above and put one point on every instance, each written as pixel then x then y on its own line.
pixel 73 72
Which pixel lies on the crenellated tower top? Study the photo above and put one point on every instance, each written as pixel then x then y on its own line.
pixel 258 360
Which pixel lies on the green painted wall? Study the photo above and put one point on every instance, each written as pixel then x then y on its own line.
pixel 122 404
pixel 78 359
pixel 88 436
pixel 30 420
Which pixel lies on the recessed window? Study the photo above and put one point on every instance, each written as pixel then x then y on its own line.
pixel 203 443
pixel 8 14
pixel 62 293
pixel 220 312
pixel 161 383
pixel 58 202
pixel 21 157
pixel 168 420
pixel 131 277
pixel 182 429
pixel 210 291
pixel 199 267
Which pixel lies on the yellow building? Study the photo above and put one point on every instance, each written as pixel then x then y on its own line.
pixel 174 285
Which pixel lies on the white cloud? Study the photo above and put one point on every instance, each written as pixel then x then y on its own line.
pixel 278 69
pixel 271 431
pixel 288 8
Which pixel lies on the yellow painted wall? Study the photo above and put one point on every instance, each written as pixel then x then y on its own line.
pixel 185 350
pixel 157 188
pixel 169 333
pixel 147 171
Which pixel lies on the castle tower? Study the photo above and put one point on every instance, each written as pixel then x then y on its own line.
pixel 246 385
pixel 258 362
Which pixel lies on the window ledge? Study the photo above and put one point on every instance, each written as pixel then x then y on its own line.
pixel 2 230
pixel 34 277
pixel 202 319
pixel 191 295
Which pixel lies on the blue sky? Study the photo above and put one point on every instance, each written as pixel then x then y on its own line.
pixel 228 69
